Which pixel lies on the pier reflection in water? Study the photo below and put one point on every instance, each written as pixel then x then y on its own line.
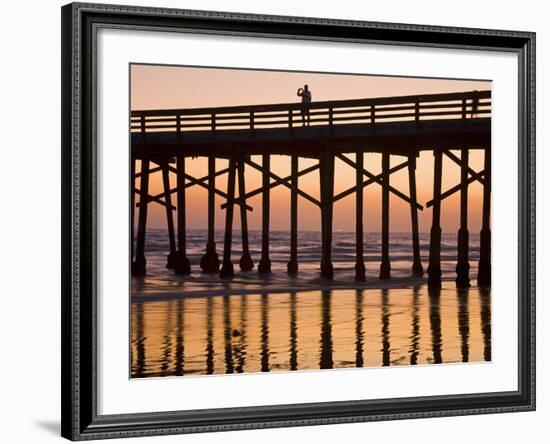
pixel 309 330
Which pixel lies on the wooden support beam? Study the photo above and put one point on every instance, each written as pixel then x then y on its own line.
pixel 276 183
pixel 284 182
pixel 462 265
pixel 245 262
pixel 194 181
pixel 210 263
pixel 477 176
pixel 434 268
pixel 139 264
pixel 265 263
pixel 326 177
pixel 207 177
pixel 359 259
pixel 385 267
pixel 217 191
pixel 454 190
pixel 378 180
pixel 227 267
pixel 169 218
pixel 190 184
pixel 484 268
pixel 150 198
pixel 151 171
pixel 417 269
pixel 181 263
pixel 292 266
pixel 368 182
pixel 200 182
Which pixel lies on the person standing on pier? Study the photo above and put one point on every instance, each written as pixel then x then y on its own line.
pixel 305 94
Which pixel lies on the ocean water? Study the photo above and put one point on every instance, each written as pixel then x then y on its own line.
pixel 161 282
pixel 201 324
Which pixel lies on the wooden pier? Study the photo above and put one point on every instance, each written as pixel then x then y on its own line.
pixel 402 126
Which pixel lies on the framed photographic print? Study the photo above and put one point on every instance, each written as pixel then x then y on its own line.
pixel 281 221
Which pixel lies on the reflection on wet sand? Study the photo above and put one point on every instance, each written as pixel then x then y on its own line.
pixel 309 330
pixel 359 335
pixel 415 326
pixel 485 301
pixel 385 322
pixel 293 334
pixel 265 335
pixel 325 353
pixel 463 323
pixel 434 296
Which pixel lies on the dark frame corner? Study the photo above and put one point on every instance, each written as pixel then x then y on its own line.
pixel 79 417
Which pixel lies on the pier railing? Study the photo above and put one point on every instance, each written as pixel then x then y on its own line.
pixel 464 105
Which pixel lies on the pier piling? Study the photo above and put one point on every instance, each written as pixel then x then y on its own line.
pixel 326 175
pixel 139 264
pixel 265 263
pixel 484 268
pixel 359 260
pixel 417 269
pixel 434 268
pixel 132 205
pixel 245 263
pixel 227 266
pixel 385 267
pixel 181 263
pixel 292 266
pixel 210 263
pixel 171 259
pixel 462 265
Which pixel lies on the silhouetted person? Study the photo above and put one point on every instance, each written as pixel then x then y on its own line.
pixel 305 94
pixel 475 104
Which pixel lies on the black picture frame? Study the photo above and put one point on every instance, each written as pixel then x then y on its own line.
pixel 79 391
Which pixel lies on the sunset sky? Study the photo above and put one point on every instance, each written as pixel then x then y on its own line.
pixel 160 87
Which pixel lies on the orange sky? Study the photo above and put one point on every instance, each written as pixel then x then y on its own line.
pixel 186 87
